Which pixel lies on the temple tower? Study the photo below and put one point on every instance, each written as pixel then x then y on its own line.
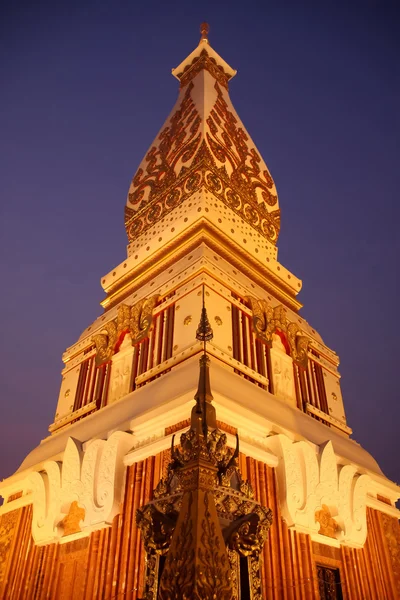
pixel 202 218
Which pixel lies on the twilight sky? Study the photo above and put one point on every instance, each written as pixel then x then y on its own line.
pixel 85 87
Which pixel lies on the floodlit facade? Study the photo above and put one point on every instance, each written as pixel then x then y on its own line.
pixel 202 218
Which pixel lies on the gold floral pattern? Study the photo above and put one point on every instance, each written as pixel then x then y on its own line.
pixel 203 61
pixel 219 160
pixel 391 529
pixel 201 570
pixel 178 143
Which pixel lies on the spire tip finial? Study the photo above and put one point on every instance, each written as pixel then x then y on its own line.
pixel 204 29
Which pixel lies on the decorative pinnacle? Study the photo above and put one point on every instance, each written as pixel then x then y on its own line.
pixel 204 29
pixel 203 396
pixel 204 331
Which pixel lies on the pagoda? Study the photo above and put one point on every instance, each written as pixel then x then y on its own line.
pixel 155 483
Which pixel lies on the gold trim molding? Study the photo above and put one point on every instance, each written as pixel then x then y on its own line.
pixel 201 232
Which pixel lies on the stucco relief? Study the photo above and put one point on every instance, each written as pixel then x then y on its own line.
pixel 121 370
pixel 93 479
pixel 310 482
pixel 282 371
pixel 46 491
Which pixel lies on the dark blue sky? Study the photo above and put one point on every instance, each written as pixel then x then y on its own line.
pixel 84 89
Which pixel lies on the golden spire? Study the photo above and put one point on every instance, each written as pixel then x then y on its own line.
pixel 203 397
pixel 203 517
pixel 204 29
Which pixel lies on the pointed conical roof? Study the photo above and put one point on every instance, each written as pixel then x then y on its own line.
pixel 203 146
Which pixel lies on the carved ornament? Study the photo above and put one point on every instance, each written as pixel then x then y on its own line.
pixel 202 511
pixel 72 522
pixel 185 160
pixel 266 319
pixel 207 62
pixel 135 320
pixel 8 525
pixel 86 485
pixel 391 531
pixel 328 525
pixel 206 575
pixel 308 483
pixel 202 491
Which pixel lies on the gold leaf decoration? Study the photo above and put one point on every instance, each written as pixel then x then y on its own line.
pixel 71 523
pixel 204 61
pixel 328 525
pixel 267 319
pixel 135 320
pixel 8 524
pixel 221 161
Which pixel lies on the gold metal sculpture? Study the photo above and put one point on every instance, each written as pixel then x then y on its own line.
pixel 135 320
pixel 203 517
pixel 267 319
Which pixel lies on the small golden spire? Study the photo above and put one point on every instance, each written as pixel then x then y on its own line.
pixel 204 29
pixel 203 395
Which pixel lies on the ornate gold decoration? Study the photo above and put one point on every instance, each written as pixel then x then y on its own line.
pixel 187 320
pixel 218 320
pixel 235 573
pixel 8 524
pixel 152 565
pixel 221 162
pixel 328 525
pixel 207 62
pixel 255 579
pixel 391 531
pixel 156 528
pixel 228 143
pixel 71 523
pixel 267 319
pixel 201 572
pixel 203 515
pixel 204 332
pixel 135 320
pixel 178 143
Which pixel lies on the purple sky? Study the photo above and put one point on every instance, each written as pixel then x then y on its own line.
pixel 85 88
